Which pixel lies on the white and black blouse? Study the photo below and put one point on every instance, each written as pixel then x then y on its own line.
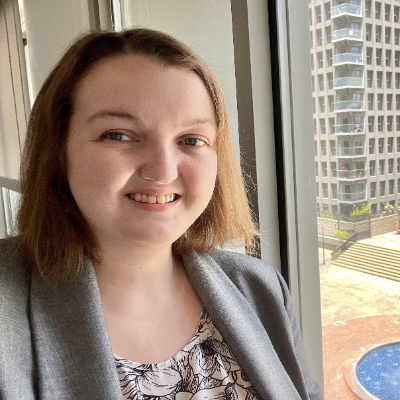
pixel 204 370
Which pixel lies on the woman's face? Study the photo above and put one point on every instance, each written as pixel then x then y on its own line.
pixel 140 130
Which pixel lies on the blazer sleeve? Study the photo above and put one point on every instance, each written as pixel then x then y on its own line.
pixel 313 389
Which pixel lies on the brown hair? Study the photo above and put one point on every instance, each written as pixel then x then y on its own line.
pixel 53 233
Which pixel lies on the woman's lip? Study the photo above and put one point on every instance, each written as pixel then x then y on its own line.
pixel 153 206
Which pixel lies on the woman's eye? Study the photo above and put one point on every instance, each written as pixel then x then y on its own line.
pixel 117 136
pixel 194 142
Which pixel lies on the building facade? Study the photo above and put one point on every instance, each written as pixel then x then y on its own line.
pixel 355 60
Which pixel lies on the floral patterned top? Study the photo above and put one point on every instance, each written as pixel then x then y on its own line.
pixel 204 369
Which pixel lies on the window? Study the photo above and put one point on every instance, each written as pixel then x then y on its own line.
pixel 380 101
pixel 328 34
pixel 331 125
pixel 396 14
pixel 370 101
pixel 311 39
pixel 368 9
pixel 331 103
pixel 324 168
pixel 368 53
pixel 389 98
pixel 398 185
pixel 390 165
pixel 397 101
pixel 325 190
pixel 368 32
pixel 379 78
pixel 319 37
pixel 389 123
pixel 397 58
pixel 318 14
pixel 390 145
pixel 397 80
pixel 313 105
pixel 317 188
pixel 313 83
pixel 381 167
pixel 382 188
pixel 323 150
pixel 328 11
pixel 391 186
pixel 387 12
pixel 378 56
pixel 312 61
pixel 398 165
pixel 371 124
pixel 397 123
pixel 381 142
pixel 388 80
pixel 321 81
pixel 380 123
pixel 320 56
pixel 387 35
pixel 322 126
pixel 329 77
pixel 371 146
pixel 316 168
pixel 388 57
pixel 370 77
pixel 315 127
pixel 378 33
pixel 377 10
pixel 372 168
pixel 398 144
pixel 396 36
pixel 329 57
pixel 322 104
pixel 310 16
pixel 315 145
pixel 372 187
pixel 332 145
pixel 334 190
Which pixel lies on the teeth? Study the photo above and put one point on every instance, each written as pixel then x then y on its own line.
pixel 144 198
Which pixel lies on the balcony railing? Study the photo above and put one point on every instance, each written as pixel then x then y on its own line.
pixel 347 81
pixel 349 128
pixel 346 33
pixel 348 105
pixel 346 8
pixel 352 196
pixel 350 151
pixel 347 58
pixel 351 174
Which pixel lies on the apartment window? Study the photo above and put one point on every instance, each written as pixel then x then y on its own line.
pixel 397 101
pixel 370 77
pixel 332 145
pixel 397 80
pixel 368 9
pixel 398 166
pixel 388 57
pixel 328 11
pixel 382 188
pixel 378 56
pixel 328 34
pixel 370 101
pixel 371 124
pixel 372 187
pixel 396 14
pixel 398 144
pixel 381 143
pixel 372 168
pixel 390 165
pixel 380 101
pixel 381 167
pixel 368 54
pixel 397 58
pixel 322 104
pixel 319 37
pixel 387 35
pixel 389 98
pixel 377 10
pixel 313 105
pixel 389 123
pixel 310 16
pixel 323 149
pixel 329 57
pixel 315 128
pixel 387 12
pixel 380 123
pixel 317 188
pixel 379 78
pixel 371 146
pixel 311 39
pixel 396 36
pixel 398 124
pixel 322 126
pixel 331 103
pixel 312 61
pixel 321 81
pixel 320 56
pixel 378 33
pixel 398 185
pixel 313 83
pixel 329 77
pixel 318 14
pixel 390 145
pixel 316 168
pixel 391 186
pixel 315 145
pixel 325 190
pixel 334 191
pixel 324 168
pixel 331 124
pixel 368 32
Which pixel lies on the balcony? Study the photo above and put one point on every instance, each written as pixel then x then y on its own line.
pixel 345 174
pixel 350 197
pixel 346 9
pixel 348 129
pixel 350 152
pixel 348 105
pixel 348 82
pixel 347 34
pixel 347 58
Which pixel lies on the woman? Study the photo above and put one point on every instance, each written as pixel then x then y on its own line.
pixel 114 286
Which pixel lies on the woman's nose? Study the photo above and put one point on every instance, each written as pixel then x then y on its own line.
pixel 159 165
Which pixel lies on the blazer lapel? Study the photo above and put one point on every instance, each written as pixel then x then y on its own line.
pixel 73 351
pixel 240 327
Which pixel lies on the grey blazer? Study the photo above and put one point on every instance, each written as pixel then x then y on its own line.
pixel 54 343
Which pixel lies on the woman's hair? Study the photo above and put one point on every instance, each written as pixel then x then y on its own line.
pixel 53 233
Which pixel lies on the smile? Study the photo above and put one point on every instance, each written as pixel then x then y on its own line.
pixel 160 199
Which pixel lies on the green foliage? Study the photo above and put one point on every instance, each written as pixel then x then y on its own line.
pixel 342 235
pixel 388 209
pixel 362 211
pixel 327 214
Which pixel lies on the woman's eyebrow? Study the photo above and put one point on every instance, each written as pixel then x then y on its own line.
pixel 113 114
pixel 200 121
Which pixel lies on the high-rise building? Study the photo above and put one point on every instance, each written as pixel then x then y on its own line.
pixel 355 59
